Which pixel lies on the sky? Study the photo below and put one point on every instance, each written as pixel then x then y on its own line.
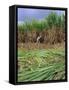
pixel 38 14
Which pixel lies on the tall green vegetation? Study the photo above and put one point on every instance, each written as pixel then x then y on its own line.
pixel 45 61
pixel 51 26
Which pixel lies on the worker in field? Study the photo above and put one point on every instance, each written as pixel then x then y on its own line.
pixel 38 39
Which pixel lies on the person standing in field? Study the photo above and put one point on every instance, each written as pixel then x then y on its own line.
pixel 38 41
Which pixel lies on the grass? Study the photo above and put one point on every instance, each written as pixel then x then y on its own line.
pixel 43 64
